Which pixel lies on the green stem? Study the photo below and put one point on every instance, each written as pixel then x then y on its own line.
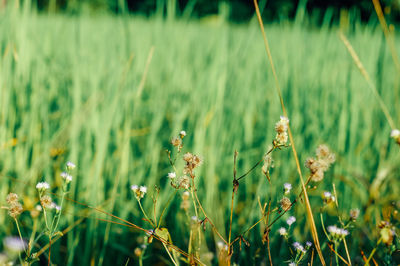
pixel 145 215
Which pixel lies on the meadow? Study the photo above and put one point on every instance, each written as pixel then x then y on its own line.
pixel 110 92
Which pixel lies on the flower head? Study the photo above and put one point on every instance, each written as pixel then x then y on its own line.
pixel 287 187
pixel 285 204
pixel 299 247
pixel 283 231
pixel 42 186
pixel 182 134
pixel 12 198
pixel 328 197
pixel 46 201
pixel 67 177
pixel 354 213
pixel 15 209
pixel 281 128
pixel 70 166
pixel 139 191
pixel 336 232
pixel 291 220
pixel 172 175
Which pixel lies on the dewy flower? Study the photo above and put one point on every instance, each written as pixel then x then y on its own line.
pixel 70 165
pixel 283 231
pixel 42 186
pixel 287 187
pixel 291 220
pixel 172 175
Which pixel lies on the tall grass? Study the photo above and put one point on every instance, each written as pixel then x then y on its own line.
pixel 69 91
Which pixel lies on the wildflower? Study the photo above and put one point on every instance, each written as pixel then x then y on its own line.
pixel 70 166
pixel 328 197
pixel 182 134
pixel 299 247
pixel 395 134
pixel 172 175
pixel 336 232
pixel 268 164
pixel 292 263
pixel 42 186
pixel 291 220
pixel 185 195
pixel 15 210
pixel 192 161
pixel 138 252
pixel 14 244
pixel 282 231
pixel 66 176
pixel 319 165
pixel 308 244
pixel 53 205
pixel 222 246
pixel 184 182
pixel 139 191
pixel 285 204
pixel 46 201
pixel 177 142
pixel 354 213
pixel 12 198
pixel 287 187
pixel 281 128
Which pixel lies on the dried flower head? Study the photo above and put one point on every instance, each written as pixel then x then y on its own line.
pixel 15 209
pixel 318 166
pixel 12 198
pixel 354 213
pixel 46 201
pixel 281 128
pixel 192 161
pixel 184 182
pixel 176 142
pixel 285 204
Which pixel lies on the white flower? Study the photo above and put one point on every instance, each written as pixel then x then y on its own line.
pixel 282 231
pixel 70 165
pixel 292 264
pixel 287 187
pixel 14 244
pixel 143 189
pixel 222 245
pixel 38 208
pixel 337 232
pixel 291 220
pixel 299 247
pixel 134 188
pixel 308 244
pixel 66 176
pixel 42 186
pixel 172 175
pixel 182 133
pixel 395 133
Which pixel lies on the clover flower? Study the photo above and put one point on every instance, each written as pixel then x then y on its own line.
pixel 291 220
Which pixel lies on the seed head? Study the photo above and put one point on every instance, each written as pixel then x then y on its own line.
pixel 12 198
pixel 285 204
pixel 15 210
pixel 46 201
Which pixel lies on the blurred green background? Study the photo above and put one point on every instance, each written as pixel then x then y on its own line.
pixel 106 84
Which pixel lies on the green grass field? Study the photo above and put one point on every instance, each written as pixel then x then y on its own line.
pixel 109 92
